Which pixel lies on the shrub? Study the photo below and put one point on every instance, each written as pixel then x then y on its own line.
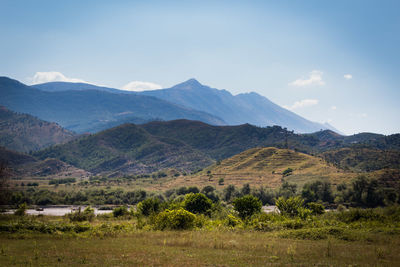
pixel 247 205
pixel 79 216
pixel 287 172
pixel 120 211
pixel 289 206
pixel 149 206
pixel 316 208
pixel 231 221
pixel 21 210
pixel 179 219
pixel 197 203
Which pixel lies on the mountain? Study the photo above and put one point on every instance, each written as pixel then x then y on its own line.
pixel 24 133
pixel 22 165
pixel 127 149
pixel 83 110
pixel 234 109
pixel 249 108
pixel 183 144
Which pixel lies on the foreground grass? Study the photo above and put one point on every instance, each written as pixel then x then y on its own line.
pixel 195 248
pixel 357 237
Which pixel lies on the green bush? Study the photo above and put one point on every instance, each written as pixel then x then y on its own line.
pixel 80 216
pixel 287 172
pixel 21 210
pixel 197 203
pixel 120 211
pixel 149 206
pixel 231 221
pixel 179 219
pixel 247 205
pixel 289 206
pixel 316 208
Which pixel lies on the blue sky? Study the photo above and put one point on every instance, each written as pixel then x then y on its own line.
pixel 329 61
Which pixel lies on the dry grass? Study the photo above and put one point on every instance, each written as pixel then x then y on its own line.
pixel 195 248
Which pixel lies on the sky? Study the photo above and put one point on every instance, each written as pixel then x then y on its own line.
pixel 328 61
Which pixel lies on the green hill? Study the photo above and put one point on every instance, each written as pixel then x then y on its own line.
pixel 23 132
pixel 363 159
pixel 127 149
pixel 22 165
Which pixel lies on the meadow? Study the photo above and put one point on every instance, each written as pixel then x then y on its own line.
pixel 355 237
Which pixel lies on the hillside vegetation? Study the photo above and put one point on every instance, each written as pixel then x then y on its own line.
pixel 127 149
pixel 269 167
pixel 23 165
pixel 363 159
pixel 187 146
pixel 24 133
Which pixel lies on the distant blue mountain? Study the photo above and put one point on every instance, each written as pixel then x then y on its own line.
pixel 92 110
pixel 233 109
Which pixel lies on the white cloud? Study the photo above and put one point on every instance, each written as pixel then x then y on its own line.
pixel 53 76
pixel 348 76
pixel 141 86
pixel 314 79
pixel 302 104
pixel 333 107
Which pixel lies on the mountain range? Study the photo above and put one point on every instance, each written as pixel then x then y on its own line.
pixel 238 109
pixel 92 110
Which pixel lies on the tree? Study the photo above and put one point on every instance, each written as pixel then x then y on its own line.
pixel 5 192
pixel 197 203
pixel 149 206
pixel 209 191
pixel 229 192
pixel 287 190
pixel 318 190
pixel 247 205
pixel 245 190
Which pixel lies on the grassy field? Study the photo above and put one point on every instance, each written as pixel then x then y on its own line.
pixel 346 238
pixel 195 248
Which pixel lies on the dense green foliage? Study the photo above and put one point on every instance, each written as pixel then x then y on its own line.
pixel 120 211
pixel 179 219
pixel 149 206
pixel 197 203
pixel 247 206
pixel 360 158
pixel 290 206
pixel 79 216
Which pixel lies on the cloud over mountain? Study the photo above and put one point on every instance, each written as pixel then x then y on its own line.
pixel 139 86
pixel 315 78
pixel 53 76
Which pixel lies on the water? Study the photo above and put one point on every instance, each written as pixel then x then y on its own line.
pixel 59 211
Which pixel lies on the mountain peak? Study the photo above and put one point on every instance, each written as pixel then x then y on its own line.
pixel 192 81
pixel 189 84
